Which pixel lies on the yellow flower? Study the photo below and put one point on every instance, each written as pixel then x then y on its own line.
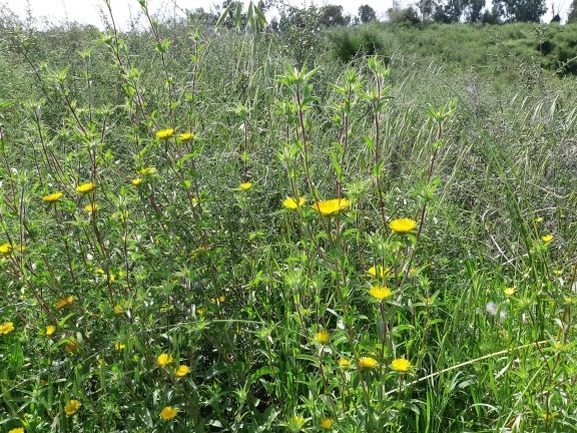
pixel 559 346
pixel 71 346
pixel 509 291
pixel 293 204
pixel 164 359
pixel 539 220
pixel 378 271
pixel 92 207
pixel 147 170
pixel 85 188
pixel 201 311
pixel 547 416
pixel 182 370
pixel 245 186
pixel 168 413
pixel 218 300
pixel 8 248
pixel 51 198
pixel 72 407
pixel 330 207
pixel 401 364
pixel 366 362
pixel 64 302
pixel 344 362
pixel 322 336
pixel 186 136
pixel 380 292
pixel 118 309
pixel 17 430
pixel 165 133
pixel 296 423
pixel 6 328
pixel 403 225
pixel 119 346
pixel 547 238
pixel 326 423
pixel 137 181
pixel 50 329
pixel 557 272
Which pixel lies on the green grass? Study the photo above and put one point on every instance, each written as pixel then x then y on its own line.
pixel 277 318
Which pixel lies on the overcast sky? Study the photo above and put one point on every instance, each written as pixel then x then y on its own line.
pixel 86 11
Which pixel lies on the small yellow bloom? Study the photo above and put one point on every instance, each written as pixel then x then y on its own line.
pixel 559 346
pixel 147 170
pixel 380 292
pixel 168 413
pixel 92 207
pixel 51 198
pixel 568 300
pixel 186 136
pixel 509 291
pixel 367 362
pixel 557 272
pixel 403 225
pixel 85 188
pixel 64 302
pixel 165 133
pixel 71 346
pixel 296 423
pixel 137 181
pixel 378 271
pixel 331 207
pixel 245 186
pixel 182 370
pixel 118 309
pixel 8 248
pixel 164 359
pixel 201 311
pixel 293 204
pixel 6 328
pixel 119 346
pixel 344 362
pixel 547 416
pixel 72 407
pixel 17 430
pixel 401 364
pixel 326 423
pixel 322 336
pixel 50 329
pixel 539 220
pixel 218 300
pixel 547 238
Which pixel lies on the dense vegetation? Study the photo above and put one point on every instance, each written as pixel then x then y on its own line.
pixel 353 229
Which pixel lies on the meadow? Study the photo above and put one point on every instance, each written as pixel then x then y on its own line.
pixel 231 230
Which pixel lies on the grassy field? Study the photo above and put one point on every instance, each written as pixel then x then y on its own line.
pixel 222 232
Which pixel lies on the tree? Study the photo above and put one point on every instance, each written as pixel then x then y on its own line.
pixel 332 15
pixel 513 11
pixel 473 10
pixel 366 13
pixel 572 15
pixel 448 13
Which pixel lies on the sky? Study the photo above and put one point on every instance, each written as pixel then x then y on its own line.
pixel 86 11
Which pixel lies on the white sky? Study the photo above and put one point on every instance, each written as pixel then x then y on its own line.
pixel 86 11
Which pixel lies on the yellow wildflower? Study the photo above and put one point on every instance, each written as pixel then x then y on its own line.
pixel 50 329
pixel 539 220
pixel 85 188
pixel 331 207
pixel 326 423
pixel 401 364
pixel 6 328
pixel 547 238
pixel 8 248
pixel 182 370
pixel 557 272
pixel 367 362
pixel 168 413
pixel 64 302
pixel 509 291
pixel 137 181
pixel 296 423
pixel 322 336
pixel 186 136
pixel 380 292
pixel 51 198
pixel 92 207
pixel 118 309
pixel 147 170
pixel 164 133
pixel 119 346
pixel 201 311
pixel 245 186
pixel 164 359
pixel 71 346
pixel 403 225
pixel 344 362
pixel 72 407
pixel 378 271
pixel 218 300
pixel 294 203
pixel 17 430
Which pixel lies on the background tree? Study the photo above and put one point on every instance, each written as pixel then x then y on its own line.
pixel 332 15
pixel 448 12
pixel 366 14
pixel 512 11
pixel 572 15
pixel 473 10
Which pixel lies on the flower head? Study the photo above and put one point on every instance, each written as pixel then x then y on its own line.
pixel 6 328
pixel 119 346
pixel 52 198
pixel 72 407
pixel 118 309
pixel 182 370
pixel 245 186
pixel 218 300
pixel 547 238
pixel 344 362
pixel 296 423
pixel 17 430
pixel 164 359
pixel 331 207
pixel 378 271
pixel 322 336
pixel 168 413
pixel 326 423
pixel 509 291
pixel 71 346
pixel 50 329
pixel 147 170
pixel 366 362
pixel 201 311
pixel 403 225
pixel 380 292
pixel 7 249
pixel 137 181
pixel 293 204
pixel 64 302
pixel 85 188
pixel 92 207
pixel 401 364
pixel 186 136
pixel 164 133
